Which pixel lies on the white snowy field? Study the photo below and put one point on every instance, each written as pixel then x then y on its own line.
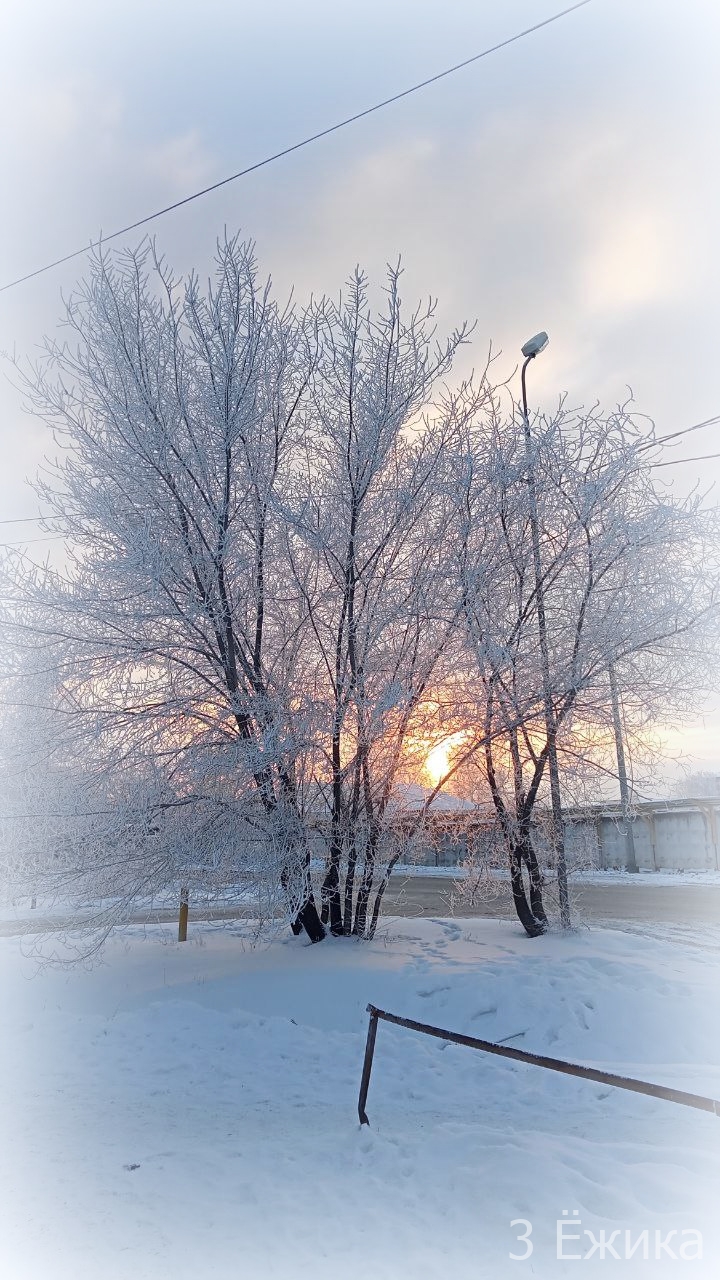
pixel 190 1110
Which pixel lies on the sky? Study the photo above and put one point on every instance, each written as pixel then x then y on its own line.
pixel 566 183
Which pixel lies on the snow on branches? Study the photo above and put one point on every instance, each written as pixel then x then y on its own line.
pixel 289 545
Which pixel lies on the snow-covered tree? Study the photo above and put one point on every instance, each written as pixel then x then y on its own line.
pixel 369 551
pixel 703 785
pixel 176 412
pixel 294 556
pixel 630 585
pixel 255 598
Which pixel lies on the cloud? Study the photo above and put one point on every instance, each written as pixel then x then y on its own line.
pixel 180 164
pixel 632 263
pixel 39 113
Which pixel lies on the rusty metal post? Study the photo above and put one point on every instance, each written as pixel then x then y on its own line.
pixel 367 1064
pixel 183 914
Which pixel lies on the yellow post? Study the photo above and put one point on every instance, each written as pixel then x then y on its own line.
pixel 183 916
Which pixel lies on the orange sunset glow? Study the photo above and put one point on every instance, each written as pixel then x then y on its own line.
pixel 439 758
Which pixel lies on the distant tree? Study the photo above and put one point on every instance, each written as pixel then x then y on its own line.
pixel 703 785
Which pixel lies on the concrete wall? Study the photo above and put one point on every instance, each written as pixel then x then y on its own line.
pixel 668 836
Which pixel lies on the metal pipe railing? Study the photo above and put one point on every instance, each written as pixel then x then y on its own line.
pixel 695 1100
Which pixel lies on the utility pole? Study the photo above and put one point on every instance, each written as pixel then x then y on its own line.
pixel 630 859
pixel 530 350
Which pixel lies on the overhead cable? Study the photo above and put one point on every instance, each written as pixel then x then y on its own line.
pixel 296 146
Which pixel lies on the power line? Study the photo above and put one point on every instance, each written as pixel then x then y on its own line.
pixel 296 146
pixel 87 813
pixel 25 542
pixel 25 519
pixel 677 462
pixel 675 435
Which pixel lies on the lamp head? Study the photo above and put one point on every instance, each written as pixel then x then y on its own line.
pixel 535 345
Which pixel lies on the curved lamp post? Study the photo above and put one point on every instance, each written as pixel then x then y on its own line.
pixel 530 350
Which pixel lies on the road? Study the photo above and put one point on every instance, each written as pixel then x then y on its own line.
pixel 633 904
pixel 642 902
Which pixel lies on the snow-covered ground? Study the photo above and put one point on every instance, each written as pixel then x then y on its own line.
pixel 190 1111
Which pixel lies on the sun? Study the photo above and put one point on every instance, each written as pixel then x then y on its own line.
pixel 439 759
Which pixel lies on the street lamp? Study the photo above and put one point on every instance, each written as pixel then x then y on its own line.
pixel 535 345
pixel 530 350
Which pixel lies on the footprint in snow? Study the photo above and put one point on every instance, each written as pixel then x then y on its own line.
pixel 482 1013
pixel 451 931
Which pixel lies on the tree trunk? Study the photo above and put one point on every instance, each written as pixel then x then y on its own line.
pixel 307 917
pixel 535 878
pixel 363 898
pixel 331 908
pixel 349 888
pixel 532 925
pixel 330 892
pixel 370 933
pixel 309 920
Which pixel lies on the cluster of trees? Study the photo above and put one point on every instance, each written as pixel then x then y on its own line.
pixel 296 560
pixel 698 786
